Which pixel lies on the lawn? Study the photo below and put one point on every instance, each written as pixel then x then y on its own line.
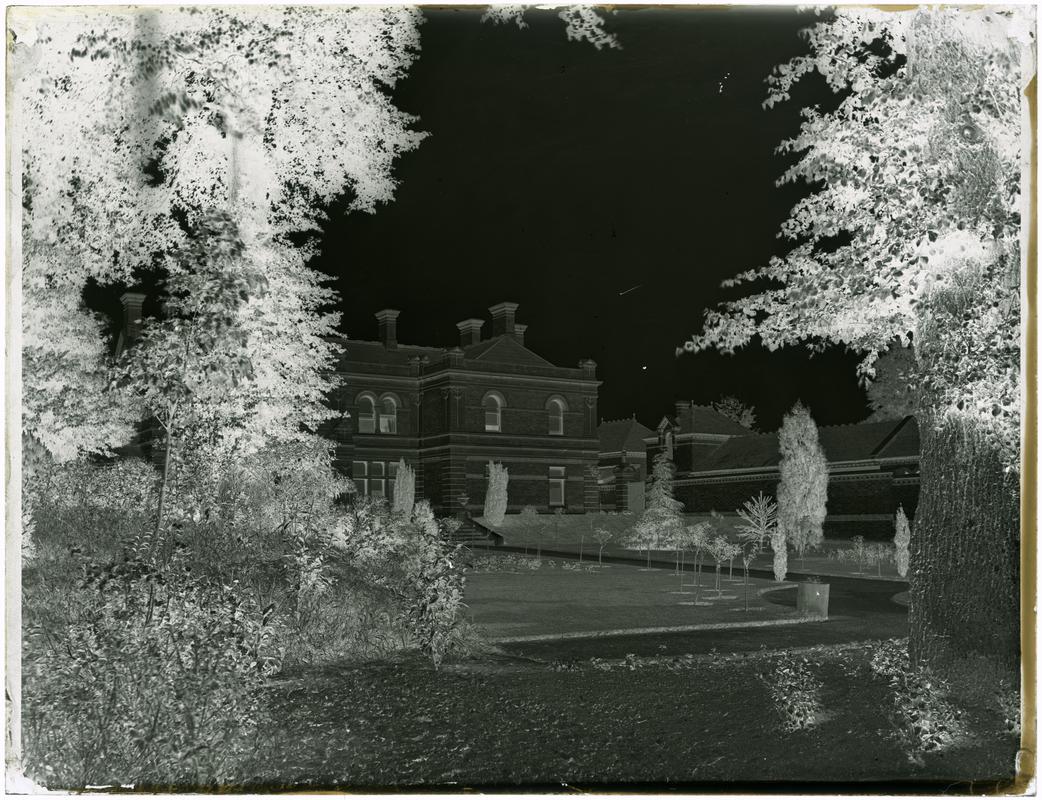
pixel 679 720
pixel 554 600
pixel 566 532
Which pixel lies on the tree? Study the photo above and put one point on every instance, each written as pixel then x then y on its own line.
pixel 781 554
pixel 804 481
pixel 759 518
pixel 902 537
pixel 912 234
pixel 404 488
pixel 736 411
pixel 496 494
pixel 602 536
pixel 528 520
pixel 698 539
pixel 662 514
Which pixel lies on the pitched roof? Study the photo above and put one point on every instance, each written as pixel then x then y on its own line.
pixel 365 352
pixel 859 442
pixel 706 419
pixel 504 349
pixel 622 434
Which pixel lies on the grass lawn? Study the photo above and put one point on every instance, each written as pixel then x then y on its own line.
pixel 572 529
pixel 589 723
pixel 553 600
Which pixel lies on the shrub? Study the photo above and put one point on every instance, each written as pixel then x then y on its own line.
pixel 781 555
pixel 496 494
pixel 923 719
pixel 794 691
pixel 153 679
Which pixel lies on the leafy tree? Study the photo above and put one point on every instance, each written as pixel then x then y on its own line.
pixel 803 488
pixel 496 494
pixel 736 411
pixel 662 515
pixel 720 550
pixel 404 488
pixel 860 551
pixel 902 537
pixel 698 539
pixel 912 234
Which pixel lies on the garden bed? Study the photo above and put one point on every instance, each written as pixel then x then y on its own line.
pixel 700 720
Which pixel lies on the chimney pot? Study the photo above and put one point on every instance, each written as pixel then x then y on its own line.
pixel 387 325
pixel 503 318
pixel 469 332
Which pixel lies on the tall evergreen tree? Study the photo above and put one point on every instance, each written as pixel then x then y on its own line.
pixel 662 515
pixel 803 488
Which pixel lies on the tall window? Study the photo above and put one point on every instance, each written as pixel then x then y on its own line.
pixel 376 479
pixel 556 486
pixel 493 412
pixel 366 414
pixel 358 474
pixel 555 410
pixel 388 415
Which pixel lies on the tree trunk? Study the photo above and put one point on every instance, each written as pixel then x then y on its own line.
pixel 965 552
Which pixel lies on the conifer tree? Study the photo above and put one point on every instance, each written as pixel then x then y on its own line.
pixel 902 538
pixel 662 514
pixel 496 494
pixel 404 488
pixel 803 488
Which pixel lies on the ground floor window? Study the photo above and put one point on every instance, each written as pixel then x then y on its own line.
pixel 375 478
pixel 556 486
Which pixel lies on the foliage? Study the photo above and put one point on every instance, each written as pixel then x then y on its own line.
pixel 912 231
pixel 736 411
pixel 662 514
pixel 583 23
pixel 759 517
pixel 902 538
pixel 496 494
pixel 859 551
pixel 404 488
pixel 153 680
pixel 924 720
pixel 795 692
pixel 803 486
pixel 892 393
pixel 781 554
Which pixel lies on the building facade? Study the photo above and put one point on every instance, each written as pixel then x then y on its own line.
pixel 449 412
pixel 622 470
pixel 873 468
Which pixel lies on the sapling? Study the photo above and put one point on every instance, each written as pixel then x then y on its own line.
pixel 528 520
pixel 602 536
pixel 860 553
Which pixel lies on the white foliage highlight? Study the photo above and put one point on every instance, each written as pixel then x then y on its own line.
pixel 496 494
pixel 804 480
pixel 583 23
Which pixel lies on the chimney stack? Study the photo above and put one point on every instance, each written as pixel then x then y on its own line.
pixel 132 302
pixel 387 324
pixel 503 318
pixel 682 406
pixel 469 331
pixel 519 332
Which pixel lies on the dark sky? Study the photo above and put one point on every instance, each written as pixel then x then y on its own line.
pixel 557 176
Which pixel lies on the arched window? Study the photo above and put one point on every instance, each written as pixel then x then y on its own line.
pixel 366 413
pixel 555 413
pixel 493 405
pixel 388 415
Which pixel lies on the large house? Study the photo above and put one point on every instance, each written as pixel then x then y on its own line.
pixel 450 411
pixel 873 467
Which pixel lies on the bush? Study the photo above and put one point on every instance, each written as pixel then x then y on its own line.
pixel 923 718
pixel 794 691
pixel 153 680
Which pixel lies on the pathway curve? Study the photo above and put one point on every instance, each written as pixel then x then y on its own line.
pixel 860 609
